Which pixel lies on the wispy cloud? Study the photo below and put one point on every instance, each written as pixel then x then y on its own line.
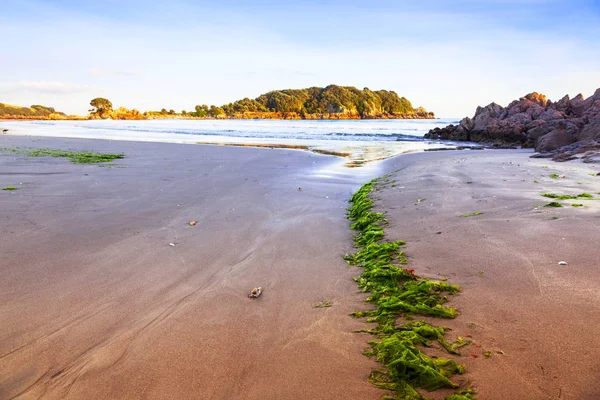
pixel 110 72
pixel 447 56
pixel 46 87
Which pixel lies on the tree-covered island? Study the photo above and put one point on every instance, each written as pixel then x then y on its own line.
pixel 331 102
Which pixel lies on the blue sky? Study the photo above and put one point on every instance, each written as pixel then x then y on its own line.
pixel 448 56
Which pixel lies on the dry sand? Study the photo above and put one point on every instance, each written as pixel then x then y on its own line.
pixel 515 297
pixel 95 304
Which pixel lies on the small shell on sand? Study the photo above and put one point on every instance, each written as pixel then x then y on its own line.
pixel 562 263
pixel 192 223
pixel 257 291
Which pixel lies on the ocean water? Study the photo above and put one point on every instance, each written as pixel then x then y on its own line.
pixel 359 140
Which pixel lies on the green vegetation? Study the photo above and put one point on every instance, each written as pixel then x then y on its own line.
pixel 35 111
pixel 553 204
pixel 577 205
pixel 554 176
pixel 77 157
pixel 9 188
pixel 471 214
pixel 581 196
pixel 396 291
pixel 100 105
pixel 332 99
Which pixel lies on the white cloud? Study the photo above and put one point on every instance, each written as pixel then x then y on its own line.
pixel 47 87
pixel 109 72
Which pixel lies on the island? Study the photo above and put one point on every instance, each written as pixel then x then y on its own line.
pixel 332 102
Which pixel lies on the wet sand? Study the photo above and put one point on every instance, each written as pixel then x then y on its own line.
pixel 95 303
pixel 515 297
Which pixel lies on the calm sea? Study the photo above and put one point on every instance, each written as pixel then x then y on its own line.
pixel 363 140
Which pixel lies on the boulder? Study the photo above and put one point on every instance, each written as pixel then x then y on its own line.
pixel 590 131
pixel 554 140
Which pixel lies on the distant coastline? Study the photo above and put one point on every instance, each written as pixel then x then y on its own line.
pixel 330 103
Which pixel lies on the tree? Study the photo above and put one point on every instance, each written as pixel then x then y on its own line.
pixel 200 111
pixel 216 111
pixel 100 105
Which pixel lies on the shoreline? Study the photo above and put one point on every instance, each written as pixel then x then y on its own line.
pixel 358 153
pixel 103 277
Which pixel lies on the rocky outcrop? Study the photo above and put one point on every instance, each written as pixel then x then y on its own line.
pixel 557 129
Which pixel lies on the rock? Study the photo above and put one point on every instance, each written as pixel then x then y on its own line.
pixel 591 157
pixel 590 130
pixel 554 140
pixel 553 128
pixel 254 293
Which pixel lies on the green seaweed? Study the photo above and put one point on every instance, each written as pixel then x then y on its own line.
pixel 471 214
pixel 581 196
pixel 396 291
pixel 577 205
pixel 77 157
pixel 554 176
pixel 553 204
pixel 9 188
pixel 461 395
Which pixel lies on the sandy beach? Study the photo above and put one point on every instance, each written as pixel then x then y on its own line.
pixel 516 299
pixel 97 304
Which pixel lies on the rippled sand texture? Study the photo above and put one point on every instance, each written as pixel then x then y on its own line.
pixel 95 303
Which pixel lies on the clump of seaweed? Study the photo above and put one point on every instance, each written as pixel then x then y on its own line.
pixel 9 188
pixel 474 214
pixel 77 157
pixel 396 291
pixel 581 196
pixel 553 204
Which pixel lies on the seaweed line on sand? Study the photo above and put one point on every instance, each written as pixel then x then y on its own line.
pixel 396 291
pixel 76 157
